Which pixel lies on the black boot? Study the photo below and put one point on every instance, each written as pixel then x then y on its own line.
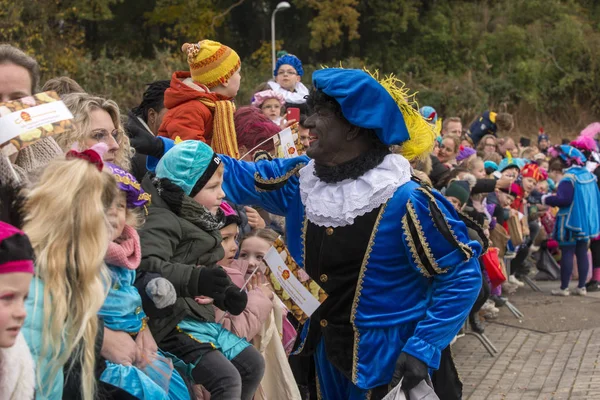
pixel 592 286
pixel 475 322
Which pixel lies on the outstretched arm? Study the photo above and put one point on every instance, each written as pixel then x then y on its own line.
pixel 269 184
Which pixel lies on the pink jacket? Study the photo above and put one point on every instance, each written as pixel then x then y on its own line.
pixel 249 323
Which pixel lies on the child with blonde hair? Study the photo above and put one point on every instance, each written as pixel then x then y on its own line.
pixel 65 219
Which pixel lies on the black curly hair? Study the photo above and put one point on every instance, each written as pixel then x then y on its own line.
pixel 153 99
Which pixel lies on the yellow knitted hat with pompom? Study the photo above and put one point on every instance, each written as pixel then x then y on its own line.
pixel 211 63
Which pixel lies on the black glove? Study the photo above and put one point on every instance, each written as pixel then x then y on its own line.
pixel 235 300
pixel 535 197
pixel 411 370
pixel 207 281
pixel 145 143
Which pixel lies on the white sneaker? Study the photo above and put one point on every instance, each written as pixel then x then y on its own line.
pixel 513 279
pixel 561 292
pixel 580 291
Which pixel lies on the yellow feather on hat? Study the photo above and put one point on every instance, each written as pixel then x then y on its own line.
pixel 422 134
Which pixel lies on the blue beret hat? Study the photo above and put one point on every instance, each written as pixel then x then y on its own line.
pixel 364 102
pixel 289 59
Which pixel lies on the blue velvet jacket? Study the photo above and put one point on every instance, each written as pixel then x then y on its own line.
pixel 122 309
pixel 419 278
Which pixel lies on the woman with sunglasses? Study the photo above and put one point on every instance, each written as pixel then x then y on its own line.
pixel 97 120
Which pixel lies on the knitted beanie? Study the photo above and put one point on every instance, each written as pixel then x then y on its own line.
pixel 464 153
pixel 189 165
pixel 490 166
pixel 429 114
pixel 211 63
pixel 231 216
pixel 460 190
pixel 16 253
pixel 289 59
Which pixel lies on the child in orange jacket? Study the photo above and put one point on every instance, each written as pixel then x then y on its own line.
pixel 199 102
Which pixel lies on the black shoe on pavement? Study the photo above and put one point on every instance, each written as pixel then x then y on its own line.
pixel 498 301
pixel 593 286
pixel 476 324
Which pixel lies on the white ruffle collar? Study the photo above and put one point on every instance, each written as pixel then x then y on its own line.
pixel 297 97
pixel 338 204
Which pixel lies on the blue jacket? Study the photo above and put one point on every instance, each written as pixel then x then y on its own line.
pixel 579 220
pixel 412 295
pixel 122 309
pixel 32 331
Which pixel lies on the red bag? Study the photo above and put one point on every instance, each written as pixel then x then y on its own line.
pixel 492 266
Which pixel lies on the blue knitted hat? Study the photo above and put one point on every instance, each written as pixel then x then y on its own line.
pixel 189 165
pixel 490 166
pixel 289 59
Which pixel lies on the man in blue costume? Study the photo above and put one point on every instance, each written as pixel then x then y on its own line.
pixel 393 255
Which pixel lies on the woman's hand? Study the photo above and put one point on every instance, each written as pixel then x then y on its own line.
pixel 119 347
pixel 254 219
pixel 147 347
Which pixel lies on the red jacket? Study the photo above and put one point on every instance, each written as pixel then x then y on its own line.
pixel 187 117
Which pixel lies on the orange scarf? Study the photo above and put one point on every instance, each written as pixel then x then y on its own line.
pixel 224 140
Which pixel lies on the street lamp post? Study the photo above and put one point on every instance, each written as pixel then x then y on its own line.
pixel 284 5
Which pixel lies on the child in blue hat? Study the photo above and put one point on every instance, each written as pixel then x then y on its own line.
pixel 287 75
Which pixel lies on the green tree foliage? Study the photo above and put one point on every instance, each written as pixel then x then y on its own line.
pixel 539 59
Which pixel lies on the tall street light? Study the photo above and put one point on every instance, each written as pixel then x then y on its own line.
pixel 284 5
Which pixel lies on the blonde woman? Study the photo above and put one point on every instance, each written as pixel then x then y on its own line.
pixel 97 120
pixel 65 219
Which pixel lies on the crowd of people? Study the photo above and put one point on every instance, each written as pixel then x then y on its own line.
pixel 132 247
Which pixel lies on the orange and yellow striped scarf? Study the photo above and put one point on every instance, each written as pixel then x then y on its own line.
pixel 224 139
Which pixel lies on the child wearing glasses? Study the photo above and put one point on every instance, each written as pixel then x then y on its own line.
pixel 287 75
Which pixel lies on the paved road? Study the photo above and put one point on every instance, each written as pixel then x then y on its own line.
pixel 552 354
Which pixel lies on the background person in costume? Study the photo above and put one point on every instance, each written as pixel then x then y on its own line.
pixel 354 121
pixel 287 75
pixel 489 123
pixel 578 218
pixel 589 148
pixel 270 103
pixel 199 101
